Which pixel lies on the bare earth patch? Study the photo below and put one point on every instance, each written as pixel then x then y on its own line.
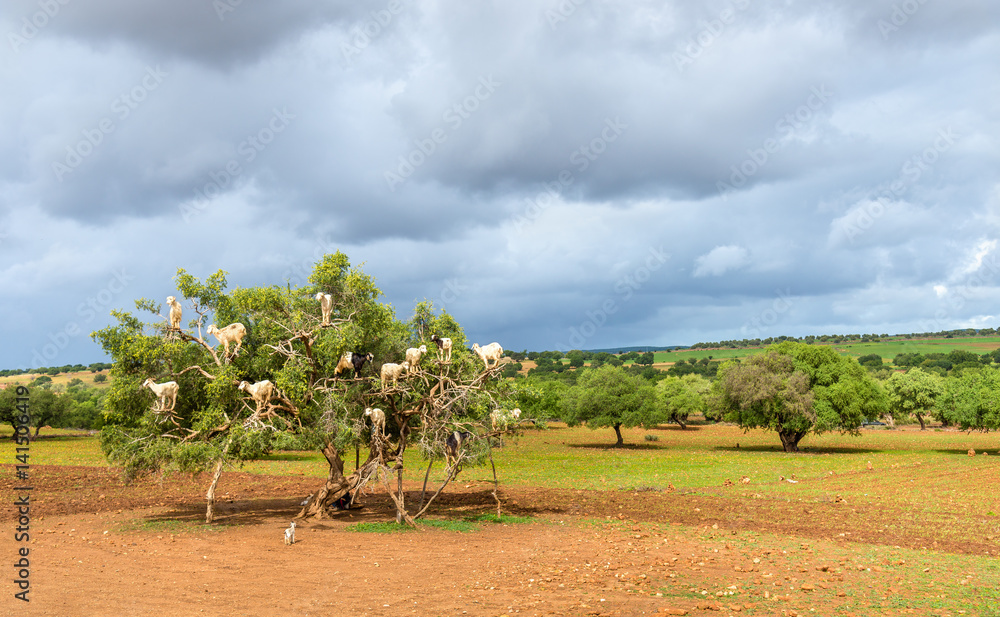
pixel 101 548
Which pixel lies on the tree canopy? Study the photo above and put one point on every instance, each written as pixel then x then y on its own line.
pixel 680 397
pixel 609 396
pixel 216 422
pixel 913 392
pixel 795 389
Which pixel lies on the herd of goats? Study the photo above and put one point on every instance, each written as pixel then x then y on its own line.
pixel 262 392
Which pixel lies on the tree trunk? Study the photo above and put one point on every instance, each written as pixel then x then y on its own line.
pixel 618 432
pixel 210 495
pixel 400 505
pixel 336 485
pixel 790 440
pixel 920 417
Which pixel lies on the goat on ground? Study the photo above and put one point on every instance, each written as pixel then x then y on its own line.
pixel 290 534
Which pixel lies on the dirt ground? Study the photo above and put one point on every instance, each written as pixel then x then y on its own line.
pixel 101 548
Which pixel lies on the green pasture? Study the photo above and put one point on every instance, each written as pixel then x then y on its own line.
pixel 887 349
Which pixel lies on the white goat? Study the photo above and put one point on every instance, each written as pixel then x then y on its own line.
pixel 175 313
pixel 233 333
pixel 444 347
pixel 501 418
pixel 413 356
pixel 290 534
pixel 326 306
pixel 345 364
pixel 378 419
pixel 262 392
pixel 393 372
pixel 493 351
pixel 164 391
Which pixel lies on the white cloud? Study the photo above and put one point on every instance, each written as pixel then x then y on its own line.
pixel 720 260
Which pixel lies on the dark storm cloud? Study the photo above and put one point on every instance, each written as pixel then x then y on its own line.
pixel 806 166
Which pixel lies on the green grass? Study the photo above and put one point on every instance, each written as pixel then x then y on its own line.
pixel 465 525
pixel 172 526
pixel 57 446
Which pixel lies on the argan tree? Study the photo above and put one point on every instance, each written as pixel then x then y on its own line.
pixel 609 396
pixel 970 400
pixel 913 392
pixel 679 397
pixel 215 422
pixel 795 389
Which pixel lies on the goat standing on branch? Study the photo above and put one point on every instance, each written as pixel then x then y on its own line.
pixel 501 419
pixel 352 362
pixel 453 448
pixel 262 392
pixel 233 333
pixel 164 391
pixel 326 306
pixel 444 347
pixel 175 313
pixel 413 356
pixel 493 351
pixel 378 420
pixel 392 372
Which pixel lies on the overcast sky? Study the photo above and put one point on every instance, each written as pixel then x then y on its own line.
pixel 574 174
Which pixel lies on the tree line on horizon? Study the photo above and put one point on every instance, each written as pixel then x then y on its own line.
pixel 793 388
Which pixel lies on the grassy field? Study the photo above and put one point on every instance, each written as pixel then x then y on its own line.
pixel 700 458
pixel 61 379
pixel 887 349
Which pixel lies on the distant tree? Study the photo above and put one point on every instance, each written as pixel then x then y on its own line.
pixel 510 369
pixel 971 400
pixel 646 359
pixel 795 389
pixel 610 397
pixel 8 408
pixel 908 359
pixel 42 381
pixel 679 397
pixel 576 359
pixel 913 392
pixel 871 361
pixel 540 398
pixel 631 356
pixel 46 406
pixel 100 378
pixel 960 356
